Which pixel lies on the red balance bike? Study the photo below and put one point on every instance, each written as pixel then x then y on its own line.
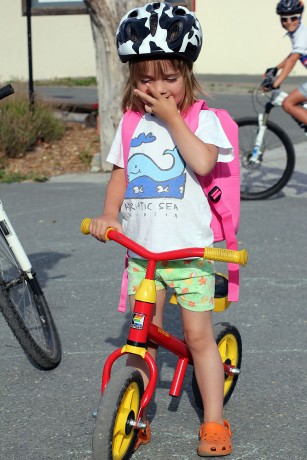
pixel 123 398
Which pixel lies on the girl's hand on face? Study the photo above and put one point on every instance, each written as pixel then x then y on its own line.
pixel 100 224
pixel 161 105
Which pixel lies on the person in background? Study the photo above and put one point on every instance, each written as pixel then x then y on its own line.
pixel 290 12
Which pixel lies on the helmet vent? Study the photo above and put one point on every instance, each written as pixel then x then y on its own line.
pixel 133 14
pixel 179 12
pixel 174 32
pixel 132 33
pixel 153 23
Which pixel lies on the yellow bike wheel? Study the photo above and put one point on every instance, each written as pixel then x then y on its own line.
pixel 114 435
pixel 229 343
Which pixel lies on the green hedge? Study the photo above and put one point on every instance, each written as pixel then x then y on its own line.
pixel 21 128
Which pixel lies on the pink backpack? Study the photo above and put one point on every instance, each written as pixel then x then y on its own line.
pixel 221 186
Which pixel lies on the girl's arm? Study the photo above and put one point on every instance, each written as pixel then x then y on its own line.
pixel 114 198
pixel 199 156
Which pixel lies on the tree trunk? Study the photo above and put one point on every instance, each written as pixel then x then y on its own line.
pixel 111 73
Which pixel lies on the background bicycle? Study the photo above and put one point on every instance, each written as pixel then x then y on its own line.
pixel 22 301
pixel 266 151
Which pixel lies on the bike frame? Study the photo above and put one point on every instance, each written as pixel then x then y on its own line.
pixel 143 331
pixel 276 100
pixel 13 242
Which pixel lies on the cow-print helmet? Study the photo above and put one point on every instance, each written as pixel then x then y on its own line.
pixel 159 30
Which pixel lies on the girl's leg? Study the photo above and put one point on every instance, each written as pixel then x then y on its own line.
pixel 292 106
pixel 214 434
pixel 209 371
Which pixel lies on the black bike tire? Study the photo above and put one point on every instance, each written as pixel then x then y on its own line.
pixel 107 412
pixel 220 331
pixel 45 359
pixel 286 141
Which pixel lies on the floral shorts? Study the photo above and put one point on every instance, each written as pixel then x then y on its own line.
pixel 192 280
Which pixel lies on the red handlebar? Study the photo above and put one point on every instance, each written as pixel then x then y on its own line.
pixel 218 254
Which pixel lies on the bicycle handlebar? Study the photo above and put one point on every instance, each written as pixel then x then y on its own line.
pixel 217 254
pixel 6 91
pixel 267 82
pixel 269 78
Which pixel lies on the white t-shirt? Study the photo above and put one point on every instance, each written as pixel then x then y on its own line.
pixel 165 207
pixel 299 42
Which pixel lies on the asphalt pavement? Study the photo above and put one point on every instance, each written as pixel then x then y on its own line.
pixel 48 415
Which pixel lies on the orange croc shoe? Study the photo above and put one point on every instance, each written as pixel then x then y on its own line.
pixel 143 437
pixel 215 440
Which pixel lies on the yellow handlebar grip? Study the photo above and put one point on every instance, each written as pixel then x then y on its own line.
pixel 227 255
pixel 243 257
pixel 85 226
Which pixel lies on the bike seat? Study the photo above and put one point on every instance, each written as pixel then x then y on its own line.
pixel 221 286
pixel 221 301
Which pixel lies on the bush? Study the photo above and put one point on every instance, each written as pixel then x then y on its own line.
pixel 21 127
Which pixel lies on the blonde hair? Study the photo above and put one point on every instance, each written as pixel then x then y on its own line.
pixel 139 69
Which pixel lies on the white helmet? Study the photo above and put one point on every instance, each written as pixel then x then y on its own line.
pixel 159 30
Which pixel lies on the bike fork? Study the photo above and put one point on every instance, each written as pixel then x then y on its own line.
pixel 152 366
pixel 257 150
pixel 13 242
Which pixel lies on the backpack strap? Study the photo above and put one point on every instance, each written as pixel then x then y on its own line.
pixel 219 207
pixel 222 212
pixel 122 305
pixel 214 195
pixel 130 121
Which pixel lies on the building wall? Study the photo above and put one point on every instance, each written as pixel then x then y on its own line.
pixel 62 45
pixel 240 37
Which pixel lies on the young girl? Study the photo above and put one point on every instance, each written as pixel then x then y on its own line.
pixel 163 206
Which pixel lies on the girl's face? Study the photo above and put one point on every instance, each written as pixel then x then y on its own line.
pixel 166 80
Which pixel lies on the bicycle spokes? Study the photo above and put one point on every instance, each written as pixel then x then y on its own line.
pixel 266 166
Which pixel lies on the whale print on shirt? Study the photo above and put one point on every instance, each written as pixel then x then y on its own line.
pixel 148 180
